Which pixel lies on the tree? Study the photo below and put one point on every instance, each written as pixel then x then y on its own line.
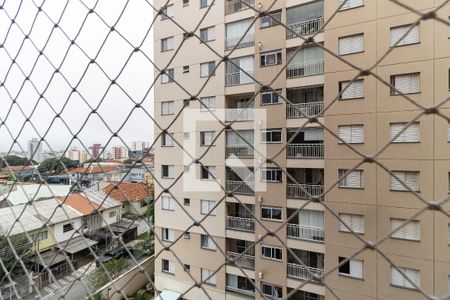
pixel 99 278
pixel 129 161
pixel 22 246
pixel 56 165
pixel 14 160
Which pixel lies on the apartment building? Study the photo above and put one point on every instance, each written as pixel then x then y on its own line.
pixel 365 113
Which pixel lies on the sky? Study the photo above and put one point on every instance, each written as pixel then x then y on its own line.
pixel 92 85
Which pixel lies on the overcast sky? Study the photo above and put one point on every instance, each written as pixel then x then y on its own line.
pixel 135 79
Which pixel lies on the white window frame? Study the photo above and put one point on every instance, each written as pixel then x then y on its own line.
pixel 208 102
pixel 165 77
pixel 207 206
pixel 271 175
pixel 211 172
pixel 270 140
pixel 350 4
pixel 353 263
pixel 403 232
pixel 167 203
pixel 273 95
pixel 346 182
pixel 355 44
pixel 205 273
pixel 352 139
pixel 170 264
pixel 170 171
pixel 354 221
pixel 271 210
pixel 273 251
pixel 274 294
pixel 354 90
pixel 398 34
pixel 167 44
pixel 410 135
pixel 168 10
pixel 405 176
pixel 207 69
pixel 166 140
pixel 207 138
pixel 413 85
pixel 168 234
pixel 167 108
pixel 269 20
pixel 399 280
pixel 277 58
pixel 206 242
pixel 209 33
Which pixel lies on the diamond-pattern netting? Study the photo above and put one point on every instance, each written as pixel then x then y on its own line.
pixel 57 57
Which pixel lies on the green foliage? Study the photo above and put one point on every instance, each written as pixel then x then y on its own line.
pixel 129 161
pixel 146 244
pixel 14 160
pixel 115 267
pixel 56 165
pixel 22 246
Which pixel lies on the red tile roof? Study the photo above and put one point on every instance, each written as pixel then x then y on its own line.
pixel 94 170
pixel 80 204
pixel 127 191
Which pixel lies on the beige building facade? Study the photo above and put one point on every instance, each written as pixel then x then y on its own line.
pixel 363 111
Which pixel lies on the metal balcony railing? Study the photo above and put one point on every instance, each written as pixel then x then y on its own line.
pixel 303 272
pixel 238 78
pixel 308 233
pixel 234 289
pixel 243 260
pixel 237 5
pixel 304 151
pixel 241 187
pixel 244 224
pixel 239 151
pixel 239 114
pixel 303 191
pixel 246 41
pixel 307 27
pixel 307 68
pixel 300 110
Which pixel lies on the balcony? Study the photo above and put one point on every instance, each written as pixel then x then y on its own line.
pixel 238 223
pixel 302 110
pixel 303 272
pixel 242 260
pixel 238 78
pixel 305 232
pixel 303 191
pixel 239 114
pixel 237 5
pixel 241 187
pixel 245 292
pixel 306 68
pixel 305 151
pixel 304 28
pixel 241 42
pixel 241 151
pixel 310 183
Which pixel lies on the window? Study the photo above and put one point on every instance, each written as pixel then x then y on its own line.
pixel 186 135
pixel 187 235
pixel 40 236
pixel 143 203
pixel 271 252
pixel 355 222
pixel 167 44
pixel 207 137
pixel 400 280
pixel 168 76
pixel 448 237
pixel 167 12
pixel 351 44
pixel 67 227
pixel 185 2
pixel 352 90
pixel 274 18
pixel 409 231
pixel 409 135
pixel 207 242
pixel 350 4
pixel 168 171
pixel 205 3
pixel 270 58
pixel 351 134
pixel 239 34
pixel 112 214
pixel 271 175
pixel 409 178
pixel 168 235
pixel 208 34
pixel 186 70
pixel 208 172
pixel 270 97
pixel 403 37
pixel 207 207
pixel 271 136
pixel 271 213
pixel 405 84
pixel 272 291
pixel 187 268
pixel 208 103
pixel 167 140
pixel 167 108
pixel 168 203
pixel 353 179
pixel 207 69
pixel 208 276
pixel 168 266
pixel 352 268
pixel 187 201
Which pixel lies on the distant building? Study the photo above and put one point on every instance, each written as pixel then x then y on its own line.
pixel 35 150
pixel 23 173
pixel 74 154
pixel 94 175
pixel 95 150
pixel 119 153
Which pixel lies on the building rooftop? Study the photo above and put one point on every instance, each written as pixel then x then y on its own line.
pixel 94 169
pixel 127 191
pixel 80 203
pixel 26 192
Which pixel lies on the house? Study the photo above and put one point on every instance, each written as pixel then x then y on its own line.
pixel 23 173
pixel 135 197
pixel 94 175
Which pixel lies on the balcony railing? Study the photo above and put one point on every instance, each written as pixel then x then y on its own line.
pixel 239 151
pixel 303 272
pixel 249 293
pixel 239 114
pixel 307 68
pixel 304 151
pixel 303 191
pixel 244 224
pixel 238 78
pixel 242 260
pixel 308 233
pixel 246 41
pixel 300 110
pixel 237 5
pixel 304 28
pixel 241 187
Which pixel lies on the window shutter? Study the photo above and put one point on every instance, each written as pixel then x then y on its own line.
pixel 396 277
pixel 395 184
pixel 345 45
pixel 414 276
pixel 354 179
pixel 399 32
pixel 395 223
pixel 356 268
pixel 412 230
pixel 412 180
pixel 347 219
pixel 401 83
pixel 357 224
pixel 351 3
pixel 357 134
pixel 345 134
pixel 171 235
pixel 352 90
pixel 410 134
